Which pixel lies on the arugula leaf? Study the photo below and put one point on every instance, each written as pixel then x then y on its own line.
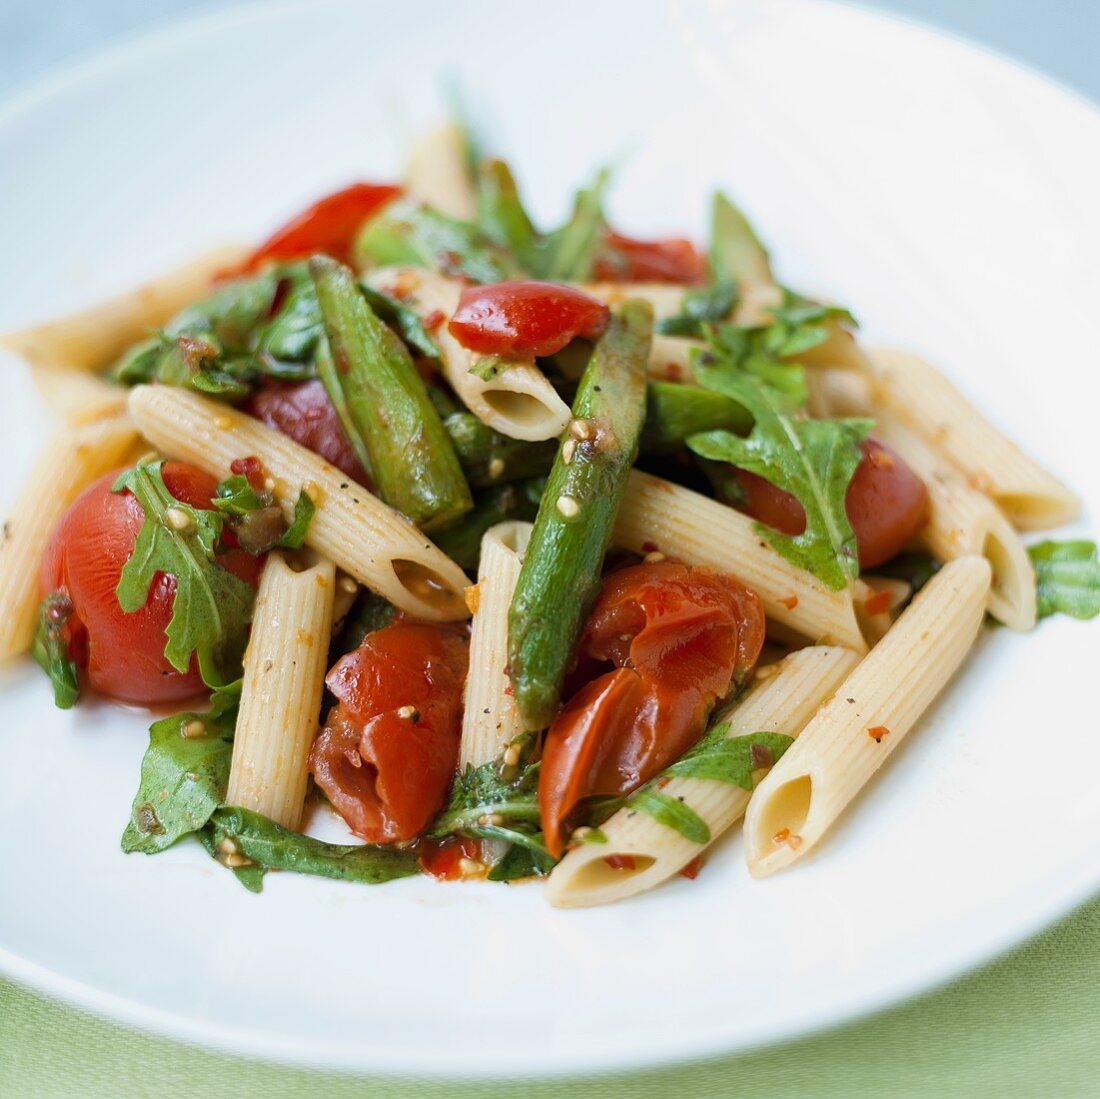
pixel 569 253
pixel 295 535
pixel 708 305
pixel 735 250
pixel 241 832
pixel 814 460
pixel 257 520
pixel 502 217
pixel 718 756
pixel 737 350
pixel 249 874
pixel 51 651
pixel 183 776
pixel 287 342
pixel 232 313
pixel 669 811
pixel 1067 576
pixel 399 316
pixel 212 608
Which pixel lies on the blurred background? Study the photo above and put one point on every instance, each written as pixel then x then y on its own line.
pixel 1057 36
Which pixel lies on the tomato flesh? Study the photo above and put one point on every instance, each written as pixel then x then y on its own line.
pixel 303 411
pixel 887 504
pixel 627 260
pixel 329 226
pixel 119 654
pixel 679 637
pixel 386 768
pixel 524 318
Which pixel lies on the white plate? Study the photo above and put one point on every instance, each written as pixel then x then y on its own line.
pixel 947 196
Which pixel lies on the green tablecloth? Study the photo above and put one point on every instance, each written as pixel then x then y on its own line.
pixel 1027 1025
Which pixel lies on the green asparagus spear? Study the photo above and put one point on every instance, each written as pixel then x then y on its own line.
pixel 412 460
pixel 735 251
pixel 560 576
pixel 461 541
pixel 410 233
pixel 501 215
pixel 674 411
pixel 489 458
pixel 334 387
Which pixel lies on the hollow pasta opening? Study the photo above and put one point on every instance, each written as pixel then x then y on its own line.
pixel 785 813
pixel 601 874
pixel 1012 586
pixel 426 584
pixel 520 408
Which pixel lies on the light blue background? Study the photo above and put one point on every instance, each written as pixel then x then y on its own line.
pixel 1060 37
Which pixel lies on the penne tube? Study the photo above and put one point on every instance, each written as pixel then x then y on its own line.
pixel 284 677
pixel 853 734
pixel 79 396
pixel 657 514
pixel 513 398
pixel 491 718
pixel 666 297
pixel 780 703
pixel 1031 497
pixel 437 172
pixel 71 460
pixel 93 338
pixel 670 359
pixel 350 526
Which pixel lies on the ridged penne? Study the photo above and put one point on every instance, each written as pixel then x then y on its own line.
pixel 79 395
pixel 1031 497
pixel 350 526
pixel 71 460
pixel 515 399
pixel 656 514
pixel 491 718
pixel 92 338
pixel 438 175
pixel 284 677
pixel 854 733
pixel 781 703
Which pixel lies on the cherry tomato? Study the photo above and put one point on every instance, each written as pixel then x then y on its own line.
pixel 303 411
pixel 887 503
pixel 626 260
pixel 389 748
pixel 329 226
pixel 524 318
pixel 120 654
pixel 680 637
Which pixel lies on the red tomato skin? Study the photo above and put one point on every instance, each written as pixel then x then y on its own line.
pixel 329 226
pixel 385 772
pixel 303 411
pixel 887 504
pixel 122 655
pixel 680 637
pixel 626 260
pixel 524 318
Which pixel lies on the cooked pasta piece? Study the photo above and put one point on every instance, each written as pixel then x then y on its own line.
pixel 657 514
pixel 852 735
pixel 1031 497
pixel 513 398
pixel 491 718
pixel 670 359
pixel 350 526
pixel 92 338
pixel 284 677
pixel 780 703
pixel 437 172
pixel 79 395
pixel 666 298
pixel 71 460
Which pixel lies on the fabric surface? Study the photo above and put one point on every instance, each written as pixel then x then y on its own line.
pixel 1026 1025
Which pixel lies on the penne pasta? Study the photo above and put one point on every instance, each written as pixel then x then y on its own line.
pixel 854 733
pixel 353 528
pixel 1031 497
pixel 284 677
pixel 657 514
pixel 513 398
pixel 71 460
pixel 666 298
pixel 670 359
pixel 79 395
pixel 780 703
pixel 491 718
pixel 93 338
pixel 437 172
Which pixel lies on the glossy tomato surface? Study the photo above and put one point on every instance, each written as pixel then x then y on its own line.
pixel 122 654
pixel 887 504
pixel 628 260
pixel 680 637
pixel 388 751
pixel 524 318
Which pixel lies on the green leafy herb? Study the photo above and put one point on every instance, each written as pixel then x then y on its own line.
pixel 257 520
pixel 708 305
pixel 671 812
pixel 212 608
pixel 813 460
pixel 407 321
pixel 502 217
pixel 569 254
pixel 489 366
pixel 723 758
pixel 241 832
pixel 51 650
pixel 183 776
pixel 1067 576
